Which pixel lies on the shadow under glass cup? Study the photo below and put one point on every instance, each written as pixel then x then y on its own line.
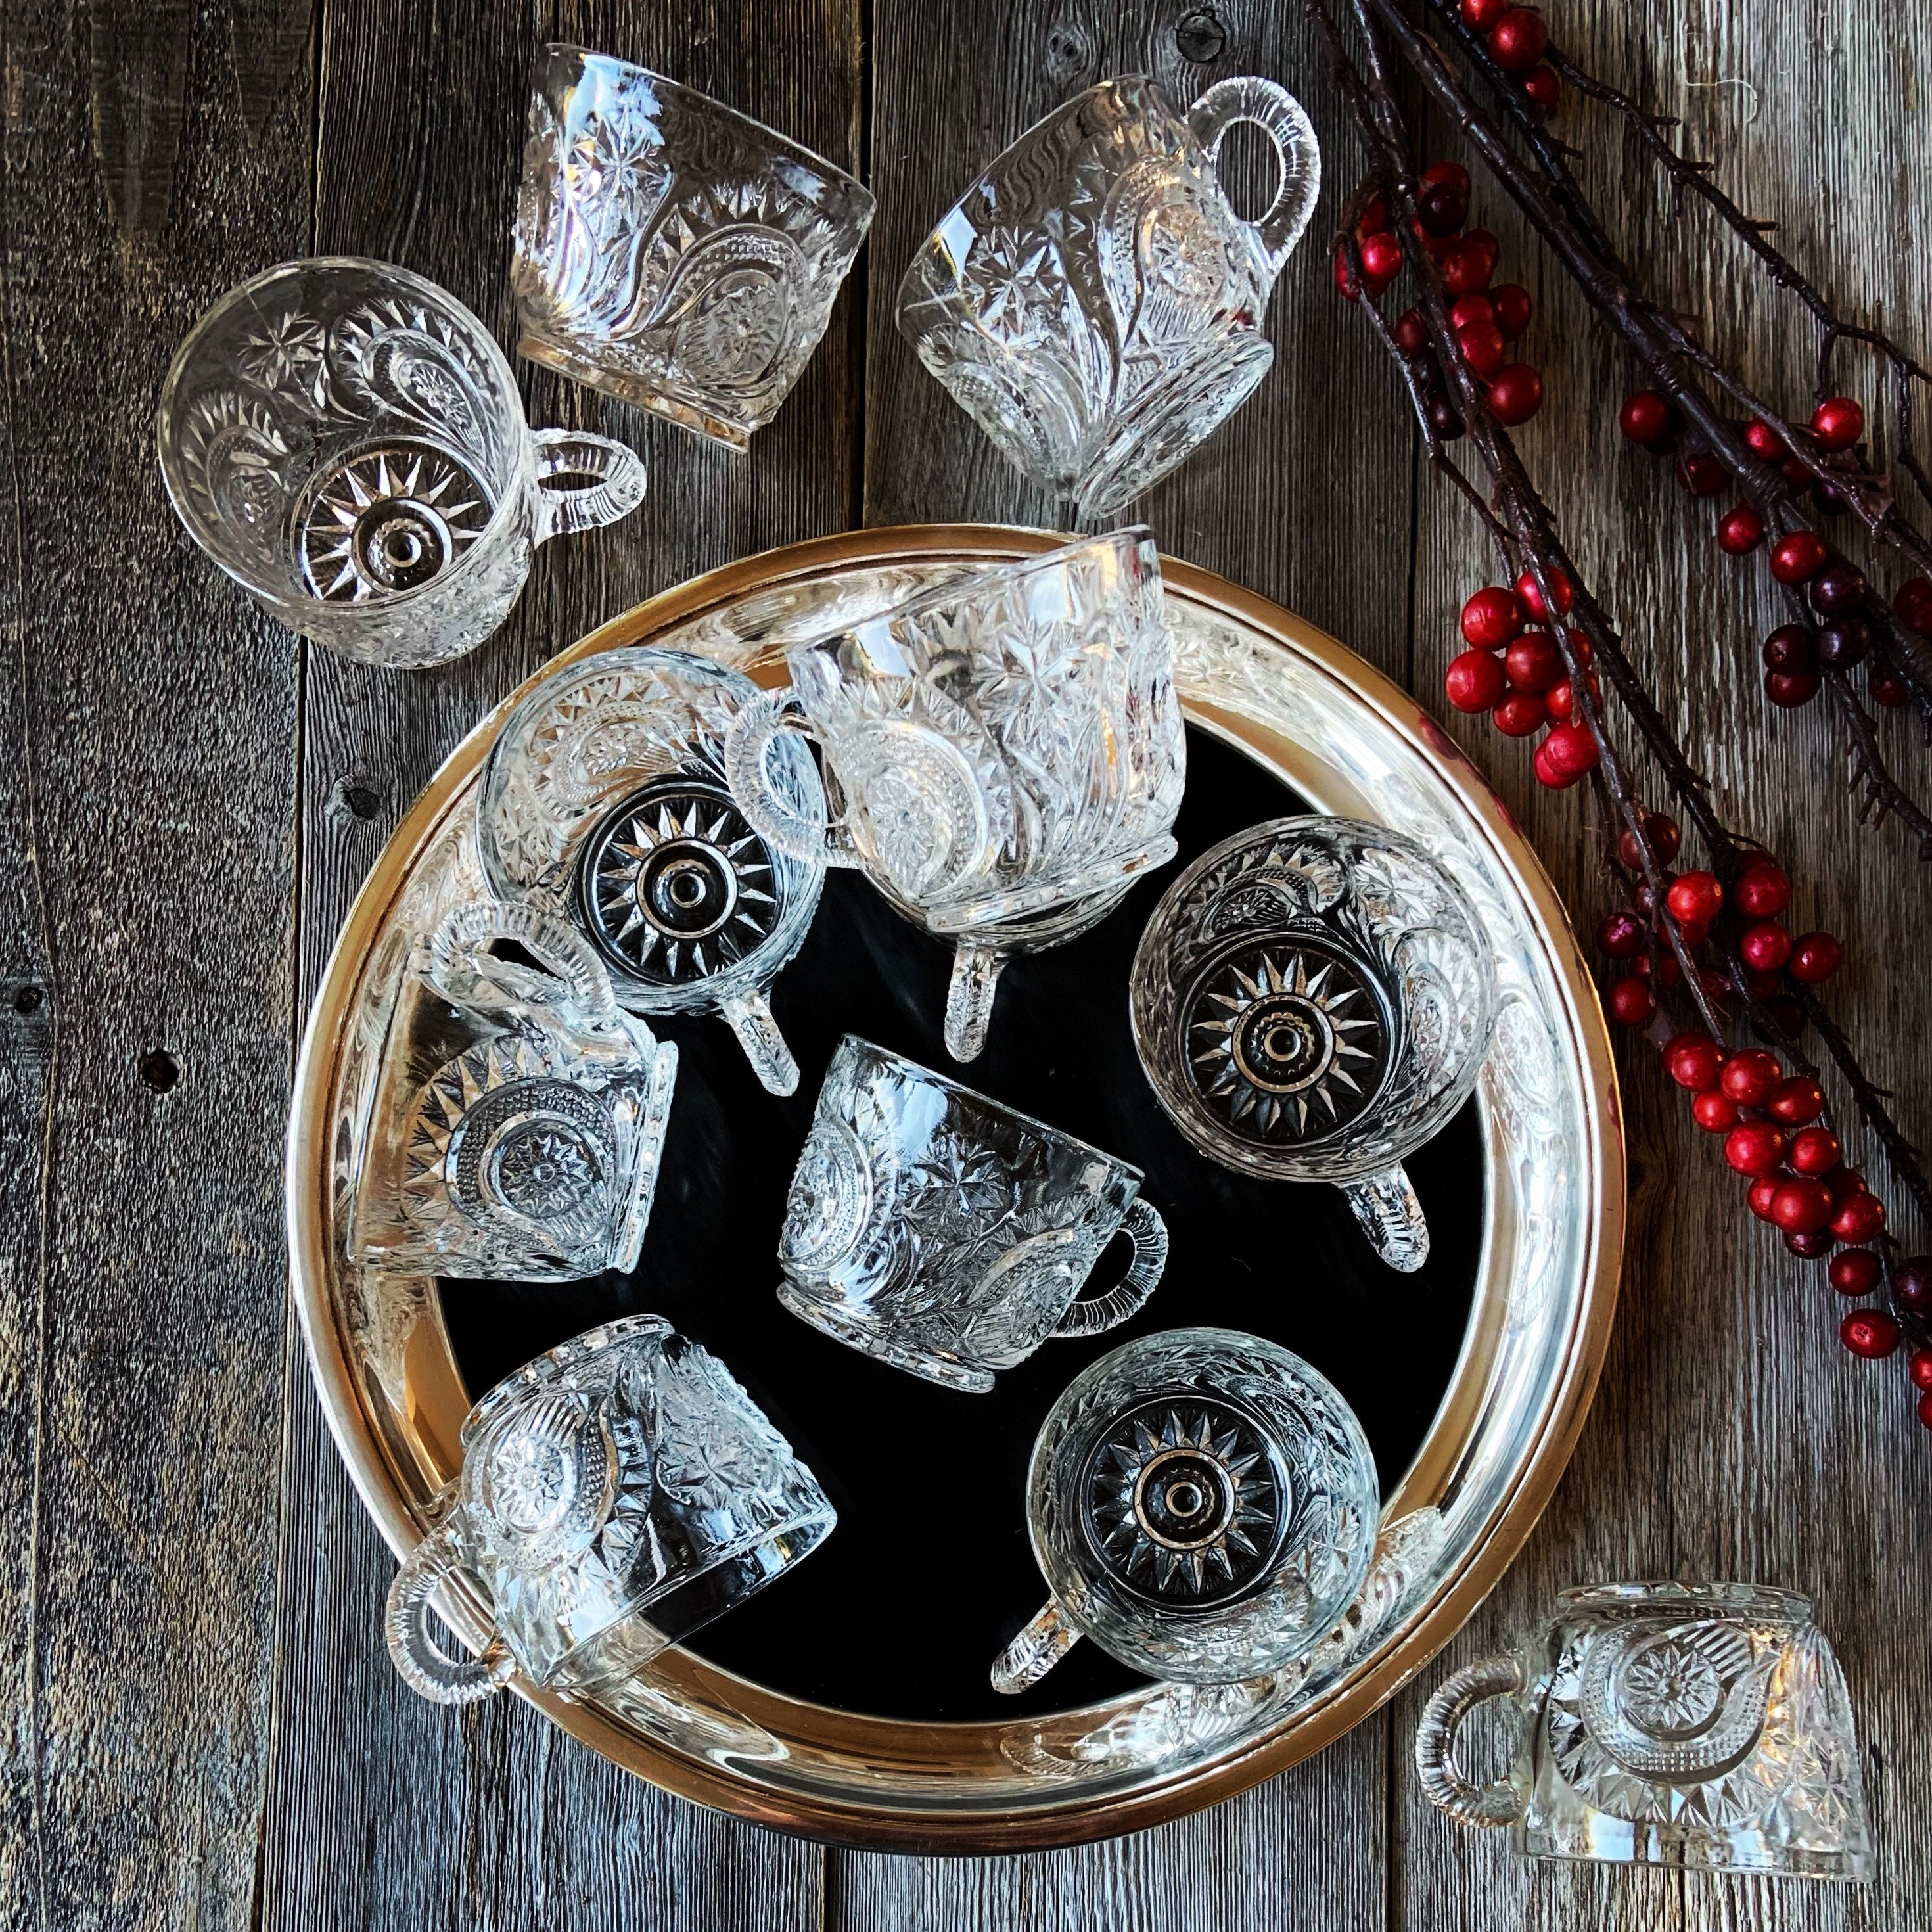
pixel 1093 302
pixel 346 440
pixel 670 250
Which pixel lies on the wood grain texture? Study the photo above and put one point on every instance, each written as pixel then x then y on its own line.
pixel 146 877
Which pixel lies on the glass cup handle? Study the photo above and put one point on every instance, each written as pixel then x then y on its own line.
pixel 1284 122
pixel 1144 1228
pixel 616 487
pixel 748 746
pixel 456 957
pixel 425 1665
pixel 1445 1787
pixel 1034 1651
pixel 969 997
pixel 749 1015
pixel 1391 1216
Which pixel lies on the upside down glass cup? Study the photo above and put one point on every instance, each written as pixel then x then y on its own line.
pixel 1092 300
pixel 949 1235
pixel 616 1496
pixel 1312 1001
pixel 670 250
pixel 1203 1504
pixel 1004 755
pixel 603 800
pixel 347 441
pixel 1702 1725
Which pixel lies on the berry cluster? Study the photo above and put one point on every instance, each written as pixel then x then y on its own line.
pixel 1516 37
pixel 1845 606
pixel 1513 670
pixel 1486 319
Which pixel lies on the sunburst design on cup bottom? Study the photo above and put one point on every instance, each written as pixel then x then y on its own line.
pixel 388 520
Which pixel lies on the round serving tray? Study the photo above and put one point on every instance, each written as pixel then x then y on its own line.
pixel 1315 728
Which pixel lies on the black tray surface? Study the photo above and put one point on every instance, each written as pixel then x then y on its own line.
pixel 900 1611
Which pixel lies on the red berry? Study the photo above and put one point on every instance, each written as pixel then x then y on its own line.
pixel 1345 276
pixel 1381 260
pixel 1801 1207
pixel 1453 173
pixel 1411 332
pixel 1516 394
pixel 1519 714
pixel 1661 828
pixel 1693 1060
pixel 1762 1193
pixel 1532 661
pixel 1755 1147
pixel 1860 1218
pixel 1766 443
pixel 1912 1284
pixel 1925 1408
pixel 1814 1150
pixel 1700 473
pixel 1695 896
pixel 1912 606
pixel 1741 532
pixel 1541 85
pixel 1621 935
pixel 1798 557
pixel 1791 647
pixel 1373 220
pixel 1844 1182
pixel 1551 771
pixel 1565 755
pixel 1843 642
pixel 1795 1102
pixel 1513 309
pixel 1854 1271
pixel 1517 40
pixel 1695 932
pixel 1492 617
pixel 1764 947
pixel 1471 308
pixel 1475 682
pixel 1839 590
pixel 1715 1113
pixel 1467 266
pixel 1669 972
pixel 1562 699
pixel 1887 688
pixel 1749 1077
pixel 1794 469
pixel 1441 208
pixel 1482 348
pixel 1815 957
pixel 1812 1244
pixel 1762 985
pixel 1790 689
pixel 1645 416
pixel 1762 890
pixel 1919 1368
pixel 1838 422
pixel 1532 598
pixel 1632 1003
pixel 1869 1332
pixel 1717 988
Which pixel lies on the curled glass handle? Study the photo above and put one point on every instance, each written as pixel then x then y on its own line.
pixel 749 1016
pixel 1284 122
pixel 1391 1216
pixel 460 967
pixel 1034 1651
pixel 778 816
pixel 615 485
pixel 1445 1787
pixel 1148 1232
pixel 969 997
pixel 424 1664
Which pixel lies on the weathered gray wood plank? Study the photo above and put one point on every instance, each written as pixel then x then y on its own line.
pixel 146 869
pixel 1732 1436
pixel 492 1818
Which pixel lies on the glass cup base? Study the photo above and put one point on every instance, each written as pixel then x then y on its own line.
pixel 947 1370
pixel 647 394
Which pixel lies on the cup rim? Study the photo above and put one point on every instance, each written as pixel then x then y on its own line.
pixel 495 1401
pixel 768 136
pixel 1661 1593
pixel 318 609
pixel 1018 1119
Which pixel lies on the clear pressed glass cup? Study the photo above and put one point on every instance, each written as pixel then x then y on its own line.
pixel 1004 755
pixel 1703 1725
pixel 1203 1504
pixel 347 441
pixel 616 1496
pixel 1313 1001
pixel 1092 300
pixel 521 1112
pixel 604 800
pixel 948 1234
pixel 670 250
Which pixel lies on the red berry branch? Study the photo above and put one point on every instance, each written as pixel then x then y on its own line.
pixel 1770 1106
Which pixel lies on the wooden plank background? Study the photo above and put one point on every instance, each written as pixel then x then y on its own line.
pixel 203 1730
